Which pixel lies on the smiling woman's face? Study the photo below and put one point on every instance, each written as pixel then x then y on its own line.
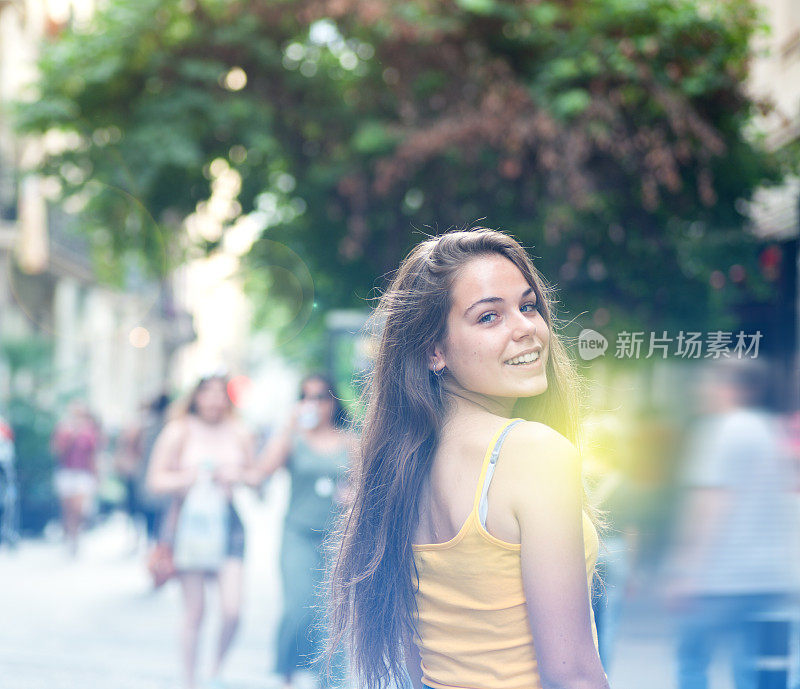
pixel 212 400
pixel 494 319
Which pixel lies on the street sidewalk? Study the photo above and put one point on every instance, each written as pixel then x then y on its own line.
pixel 94 623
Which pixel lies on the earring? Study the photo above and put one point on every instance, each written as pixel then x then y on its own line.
pixel 439 371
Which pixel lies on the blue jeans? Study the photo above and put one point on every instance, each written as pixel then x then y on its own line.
pixel 713 620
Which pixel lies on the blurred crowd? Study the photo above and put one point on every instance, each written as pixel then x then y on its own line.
pixel 702 511
pixel 175 471
pixel 700 506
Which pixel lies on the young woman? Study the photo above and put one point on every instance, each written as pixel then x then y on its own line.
pixel 207 440
pixel 466 554
pixel 315 449
pixel 75 442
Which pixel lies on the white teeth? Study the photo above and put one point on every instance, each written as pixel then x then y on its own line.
pixel 528 358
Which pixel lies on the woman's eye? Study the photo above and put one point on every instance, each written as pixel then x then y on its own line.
pixel 485 318
pixel 533 306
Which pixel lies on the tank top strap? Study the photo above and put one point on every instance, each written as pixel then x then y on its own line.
pixel 487 471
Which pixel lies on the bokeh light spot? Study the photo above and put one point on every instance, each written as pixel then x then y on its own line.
pixel 236 79
pixel 139 337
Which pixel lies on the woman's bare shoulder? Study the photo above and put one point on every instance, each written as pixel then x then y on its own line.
pixel 538 465
pixel 533 447
pixel 176 429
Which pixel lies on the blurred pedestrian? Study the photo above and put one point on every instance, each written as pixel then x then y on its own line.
pixel 127 458
pixel 75 443
pixel 736 556
pixel 131 459
pixel 198 459
pixel 315 448
pixel 466 556
pixel 151 506
pixel 9 495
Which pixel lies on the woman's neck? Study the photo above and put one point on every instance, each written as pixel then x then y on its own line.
pixel 462 402
pixel 210 423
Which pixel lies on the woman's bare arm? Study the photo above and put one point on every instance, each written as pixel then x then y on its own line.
pixel 272 457
pixel 165 474
pixel 547 501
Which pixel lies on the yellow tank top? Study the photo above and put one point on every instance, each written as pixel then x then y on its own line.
pixel 472 625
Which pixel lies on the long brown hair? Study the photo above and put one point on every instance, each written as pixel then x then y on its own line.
pixel 373 576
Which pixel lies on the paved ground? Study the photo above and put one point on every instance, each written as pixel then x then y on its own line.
pixel 93 623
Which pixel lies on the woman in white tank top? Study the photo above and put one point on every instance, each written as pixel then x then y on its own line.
pixel 208 445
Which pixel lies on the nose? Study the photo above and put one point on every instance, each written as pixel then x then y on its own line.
pixel 523 325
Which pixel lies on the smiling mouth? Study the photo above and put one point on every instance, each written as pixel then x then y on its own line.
pixel 526 359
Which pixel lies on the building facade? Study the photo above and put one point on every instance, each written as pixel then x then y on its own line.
pixel 111 347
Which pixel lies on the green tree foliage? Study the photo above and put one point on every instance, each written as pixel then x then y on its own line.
pixel 608 135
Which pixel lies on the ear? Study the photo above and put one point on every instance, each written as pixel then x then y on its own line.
pixel 436 360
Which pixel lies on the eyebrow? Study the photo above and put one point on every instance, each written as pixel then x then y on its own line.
pixel 494 300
